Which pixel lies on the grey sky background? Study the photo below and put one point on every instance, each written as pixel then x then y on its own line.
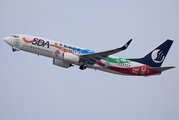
pixel 32 88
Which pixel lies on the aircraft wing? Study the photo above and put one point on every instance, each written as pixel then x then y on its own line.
pixel 102 55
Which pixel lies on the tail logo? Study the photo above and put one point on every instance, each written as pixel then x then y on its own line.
pixel 158 56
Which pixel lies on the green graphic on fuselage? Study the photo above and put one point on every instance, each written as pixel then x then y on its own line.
pixel 17 43
pixel 118 60
pixel 107 64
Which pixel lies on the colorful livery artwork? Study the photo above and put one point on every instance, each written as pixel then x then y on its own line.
pixel 65 55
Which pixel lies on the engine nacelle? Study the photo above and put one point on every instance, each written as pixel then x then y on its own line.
pixel 61 63
pixel 71 58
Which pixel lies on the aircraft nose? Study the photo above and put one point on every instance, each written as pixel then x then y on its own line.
pixel 7 40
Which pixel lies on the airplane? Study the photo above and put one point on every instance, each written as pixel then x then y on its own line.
pixel 66 56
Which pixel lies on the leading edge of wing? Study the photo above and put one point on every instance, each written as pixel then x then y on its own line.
pixel 104 54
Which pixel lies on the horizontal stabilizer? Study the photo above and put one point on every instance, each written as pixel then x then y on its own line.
pixel 160 69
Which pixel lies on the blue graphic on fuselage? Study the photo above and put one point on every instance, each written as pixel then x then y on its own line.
pixel 87 51
pixel 84 51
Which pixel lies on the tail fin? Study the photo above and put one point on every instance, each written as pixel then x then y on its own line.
pixel 156 57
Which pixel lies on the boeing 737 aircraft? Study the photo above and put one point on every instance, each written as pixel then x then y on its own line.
pixel 65 55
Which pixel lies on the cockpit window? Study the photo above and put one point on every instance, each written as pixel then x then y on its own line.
pixel 15 36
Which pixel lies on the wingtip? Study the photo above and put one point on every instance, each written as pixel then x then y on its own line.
pixel 169 40
pixel 127 44
pixel 129 41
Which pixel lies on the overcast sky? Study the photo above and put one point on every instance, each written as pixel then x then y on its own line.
pixel 32 88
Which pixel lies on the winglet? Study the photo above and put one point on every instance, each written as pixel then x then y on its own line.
pixel 126 45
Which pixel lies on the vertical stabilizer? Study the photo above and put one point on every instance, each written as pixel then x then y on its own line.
pixel 156 57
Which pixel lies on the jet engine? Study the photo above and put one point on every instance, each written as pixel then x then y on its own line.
pixel 71 58
pixel 61 63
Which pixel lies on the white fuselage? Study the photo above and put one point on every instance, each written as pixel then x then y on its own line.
pixel 56 50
